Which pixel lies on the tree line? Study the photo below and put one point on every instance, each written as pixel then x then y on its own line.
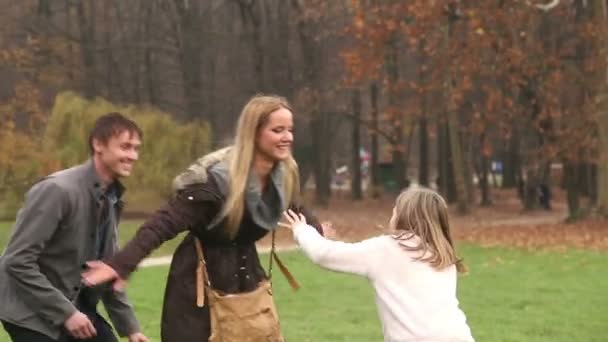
pixel 437 90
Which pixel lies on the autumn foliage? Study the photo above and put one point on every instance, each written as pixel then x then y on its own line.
pixel 510 70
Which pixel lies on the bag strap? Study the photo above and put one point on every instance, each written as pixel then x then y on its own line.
pixel 202 277
pixel 273 256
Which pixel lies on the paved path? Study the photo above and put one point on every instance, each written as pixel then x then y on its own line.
pixel 541 219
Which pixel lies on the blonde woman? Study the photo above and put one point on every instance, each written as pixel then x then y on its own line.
pixel 413 270
pixel 228 200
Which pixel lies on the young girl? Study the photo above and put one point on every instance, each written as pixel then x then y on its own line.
pixel 413 271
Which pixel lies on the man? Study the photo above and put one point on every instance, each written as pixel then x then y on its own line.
pixel 69 218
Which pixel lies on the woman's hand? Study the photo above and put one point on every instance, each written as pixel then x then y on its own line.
pixel 99 273
pixel 328 230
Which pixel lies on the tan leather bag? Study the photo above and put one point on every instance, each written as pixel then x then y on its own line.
pixel 241 317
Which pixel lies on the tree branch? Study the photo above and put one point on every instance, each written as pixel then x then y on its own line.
pixel 367 123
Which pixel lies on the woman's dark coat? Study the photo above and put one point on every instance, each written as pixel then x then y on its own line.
pixel 233 265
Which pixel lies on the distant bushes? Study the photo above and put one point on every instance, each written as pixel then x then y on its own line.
pixel 168 147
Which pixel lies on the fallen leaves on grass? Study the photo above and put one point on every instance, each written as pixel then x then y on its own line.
pixel 503 224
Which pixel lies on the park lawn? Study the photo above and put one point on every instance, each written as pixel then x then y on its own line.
pixel 509 295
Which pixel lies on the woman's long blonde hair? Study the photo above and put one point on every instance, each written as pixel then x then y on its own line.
pixel 423 212
pixel 253 117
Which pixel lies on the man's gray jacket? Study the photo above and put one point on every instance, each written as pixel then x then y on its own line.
pixel 53 238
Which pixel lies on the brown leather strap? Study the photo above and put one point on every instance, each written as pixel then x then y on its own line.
pixel 290 278
pixel 270 260
pixel 202 277
pixel 273 256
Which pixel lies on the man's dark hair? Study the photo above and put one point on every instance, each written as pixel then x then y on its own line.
pixel 109 125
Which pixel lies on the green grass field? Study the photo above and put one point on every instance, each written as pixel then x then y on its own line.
pixel 509 295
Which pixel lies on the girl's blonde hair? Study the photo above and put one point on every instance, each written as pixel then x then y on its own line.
pixel 253 117
pixel 423 212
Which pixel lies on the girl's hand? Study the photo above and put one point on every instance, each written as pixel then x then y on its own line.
pixel 293 219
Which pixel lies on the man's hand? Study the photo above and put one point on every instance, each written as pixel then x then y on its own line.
pixel 80 326
pixel 138 337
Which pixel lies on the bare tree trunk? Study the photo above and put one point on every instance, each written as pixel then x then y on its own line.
pixel 44 8
pixel 530 189
pixel 444 159
pixel 584 179
pixel 86 22
pixel 211 79
pixel 600 12
pixel 510 160
pixel 457 163
pixel 375 181
pixel 322 161
pixel 423 167
pixel 423 177
pixel 602 172
pixel 68 27
pixel 468 168
pixel 591 183
pixel 285 38
pixel 44 16
pixel 458 166
pixel 136 61
pixel 120 86
pixel 399 167
pixel 572 189
pixel 190 43
pixel 319 123
pixel 356 146
pixel 483 173
pixel 108 72
pixel 258 21
pixel 152 83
